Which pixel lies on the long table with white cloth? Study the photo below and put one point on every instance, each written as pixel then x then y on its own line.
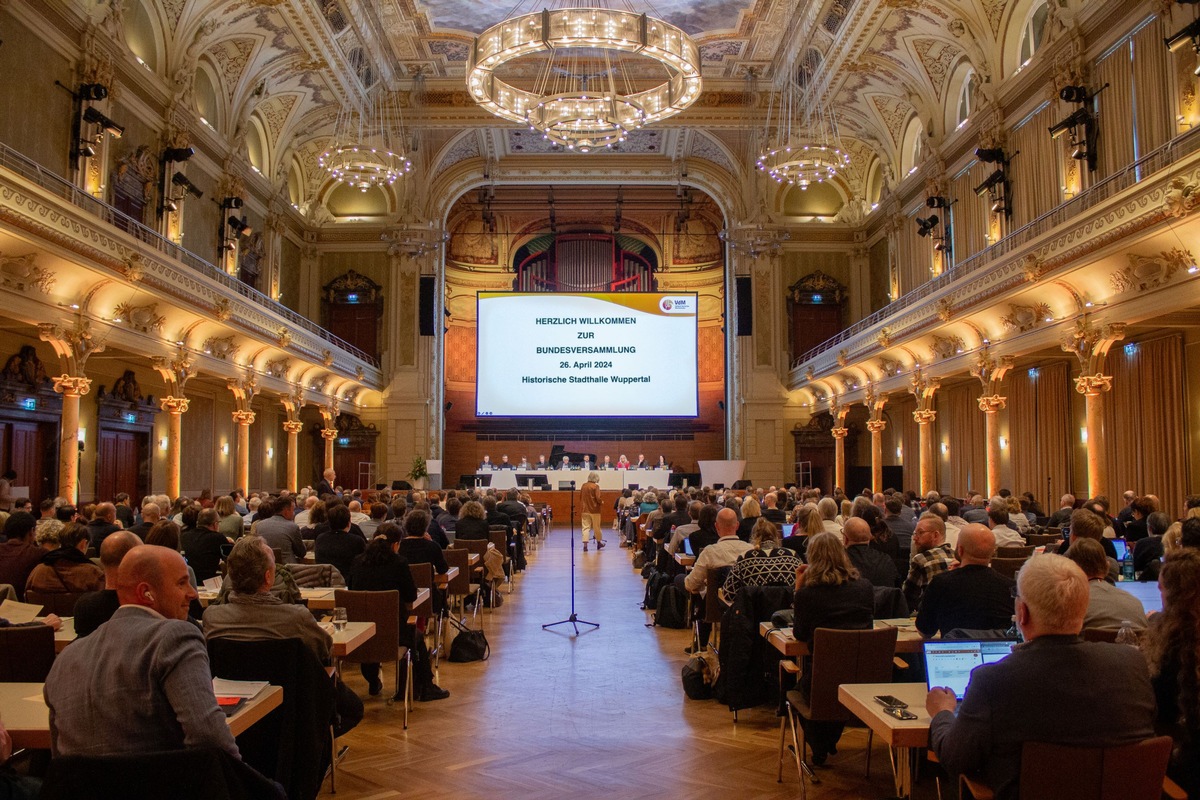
pixel 609 478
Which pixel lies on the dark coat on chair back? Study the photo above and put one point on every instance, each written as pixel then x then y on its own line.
pixel 748 665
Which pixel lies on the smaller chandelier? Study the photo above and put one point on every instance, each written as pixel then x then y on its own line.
pixel 801 132
pixel 584 77
pixel 367 149
pixel 803 164
pixel 755 240
pixel 415 240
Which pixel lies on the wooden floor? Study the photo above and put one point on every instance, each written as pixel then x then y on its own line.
pixel 552 715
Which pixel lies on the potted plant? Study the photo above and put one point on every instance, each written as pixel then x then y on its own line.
pixel 418 473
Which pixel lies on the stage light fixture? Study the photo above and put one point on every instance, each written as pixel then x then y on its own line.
pixel 177 154
pixel 231 202
pixel 926 226
pixel 92 91
pixel 1074 94
pixel 181 180
pixel 990 183
pixel 239 226
pixel 1080 151
pixel 937 201
pixel 1079 117
pixel 86 148
pixel 170 206
pixel 1188 35
pixel 990 155
pixel 110 127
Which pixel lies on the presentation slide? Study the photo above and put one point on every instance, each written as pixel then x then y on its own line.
pixel 586 355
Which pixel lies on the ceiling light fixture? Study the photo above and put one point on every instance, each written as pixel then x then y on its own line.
pixel 368 146
pixel 801 132
pixel 583 77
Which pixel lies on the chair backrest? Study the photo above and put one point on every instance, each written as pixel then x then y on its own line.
pixel 26 653
pixel 315 576
pixel 1016 550
pixel 839 657
pixel 498 536
pixel 1040 539
pixel 212 774
pixel 714 607
pixel 1008 567
pixel 461 583
pixel 61 603
pixel 422 573
pixel 1123 772
pixel 293 743
pixel 382 608
pixel 1106 634
pixel 476 547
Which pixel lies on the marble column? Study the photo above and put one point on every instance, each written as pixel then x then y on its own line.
pixel 925 420
pixel 293 427
pixel 328 434
pixel 175 407
pixel 839 456
pixel 991 405
pixel 876 427
pixel 243 420
pixel 1094 388
pixel 71 388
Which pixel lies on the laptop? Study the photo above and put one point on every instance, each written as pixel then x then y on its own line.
pixel 1122 547
pixel 687 546
pixel 949 662
pixel 787 529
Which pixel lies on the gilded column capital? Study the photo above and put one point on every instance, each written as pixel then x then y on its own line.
pixel 839 433
pixel 243 417
pixel 876 425
pixel 924 416
pixel 1092 385
pixel 175 405
pixel 72 385
pixel 293 426
pixel 329 434
pixel 991 403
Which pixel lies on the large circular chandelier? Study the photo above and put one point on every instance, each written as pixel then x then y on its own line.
pixel 584 77
pixel 801 132
pixel 367 148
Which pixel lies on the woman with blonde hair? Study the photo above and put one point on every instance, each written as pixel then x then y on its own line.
pixel 751 514
pixel 767 564
pixel 829 594
pixel 231 525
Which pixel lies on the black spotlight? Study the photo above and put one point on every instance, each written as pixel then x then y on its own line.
pixel 92 91
pixel 1074 94
pixel 181 180
pixel 239 226
pixel 177 154
pixel 937 201
pixel 93 116
pixel 231 202
pixel 990 155
pixel 926 226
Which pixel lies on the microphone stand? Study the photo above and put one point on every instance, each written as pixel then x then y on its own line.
pixel 573 620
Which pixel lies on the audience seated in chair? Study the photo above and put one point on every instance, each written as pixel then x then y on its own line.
pixel 96 608
pixel 973 596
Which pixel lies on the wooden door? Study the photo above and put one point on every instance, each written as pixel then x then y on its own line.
pixel 346 461
pixel 119 466
pixel 29 451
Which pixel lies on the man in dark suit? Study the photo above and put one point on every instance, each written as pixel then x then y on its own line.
pixel 677 518
pixel 973 596
pixel 1006 703
pixel 870 563
pixel 325 487
pixel 770 509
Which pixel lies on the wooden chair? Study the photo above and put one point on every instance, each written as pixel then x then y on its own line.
pixel 26 653
pixel 713 609
pixel 1124 772
pixel 460 585
pixel 498 536
pixel 61 603
pixel 382 608
pixel 838 657
pixel 1041 539
pixel 1008 567
pixel 423 577
pixel 1015 551
pixel 475 547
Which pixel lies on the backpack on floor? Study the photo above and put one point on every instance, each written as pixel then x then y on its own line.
pixel 654 587
pixel 672 611
pixel 639 560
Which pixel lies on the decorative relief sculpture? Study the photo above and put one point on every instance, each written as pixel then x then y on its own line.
pixel 946 346
pixel 22 273
pixel 1024 318
pixel 278 368
pixel 223 348
pixel 1150 272
pixel 1182 196
pixel 25 367
pixel 141 318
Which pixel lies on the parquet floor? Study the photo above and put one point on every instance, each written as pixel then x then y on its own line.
pixel 599 715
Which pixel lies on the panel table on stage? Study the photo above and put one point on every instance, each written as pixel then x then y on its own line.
pixel 610 479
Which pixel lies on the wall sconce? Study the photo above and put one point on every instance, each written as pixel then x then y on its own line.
pixel 1083 435
pixel 162 443
pixel 270 452
pixel 82 435
pixel 1003 443
pixel 945 449
pixel 225 449
pixel 899 452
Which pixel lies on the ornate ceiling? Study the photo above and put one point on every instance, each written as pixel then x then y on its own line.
pixel 280 69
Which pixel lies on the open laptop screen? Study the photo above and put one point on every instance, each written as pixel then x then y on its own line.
pixel 949 663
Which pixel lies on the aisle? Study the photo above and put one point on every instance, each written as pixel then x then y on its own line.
pixel 598 715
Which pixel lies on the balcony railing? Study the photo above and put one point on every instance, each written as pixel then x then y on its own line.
pixel 1183 145
pixel 56 185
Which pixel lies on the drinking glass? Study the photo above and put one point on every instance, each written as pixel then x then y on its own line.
pixel 339 619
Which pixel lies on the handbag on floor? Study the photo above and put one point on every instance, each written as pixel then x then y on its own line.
pixel 468 645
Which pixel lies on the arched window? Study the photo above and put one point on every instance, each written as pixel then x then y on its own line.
pixel 1031 31
pixel 913 149
pixel 966 99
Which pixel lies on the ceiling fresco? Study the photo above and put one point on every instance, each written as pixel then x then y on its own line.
pixel 696 17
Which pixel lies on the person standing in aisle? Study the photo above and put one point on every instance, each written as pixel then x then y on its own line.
pixel 589 506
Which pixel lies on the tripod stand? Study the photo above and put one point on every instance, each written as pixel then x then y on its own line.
pixel 573 620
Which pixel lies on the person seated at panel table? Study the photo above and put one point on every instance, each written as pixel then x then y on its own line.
pixel 622 462
pixel 607 463
pixel 541 463
pixel 641 462
pixel 487 463
pixel 662 463
pixel 1006 702
pixel 566 463
pixel 586 465
pixel 140 683
pixel 504 463
pixel 524 463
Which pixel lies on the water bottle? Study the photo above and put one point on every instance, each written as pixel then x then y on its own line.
pixel 1127 568
pixel 1127 635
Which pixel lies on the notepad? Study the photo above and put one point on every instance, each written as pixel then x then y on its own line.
pixel 228 688
pixel 19 613
pixel 213 585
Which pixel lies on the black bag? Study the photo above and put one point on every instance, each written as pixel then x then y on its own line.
pixel 672 607
pixel 654 587
pixel 468 645
pixel 639 560
pixel 695 679
pixel 648 570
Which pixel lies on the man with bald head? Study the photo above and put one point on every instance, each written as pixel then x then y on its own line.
pixel 973 595
pixel 721 553
pixel 871 564
pixel 933 557
pixel 96 608
pixel 103 523
pixel 141 682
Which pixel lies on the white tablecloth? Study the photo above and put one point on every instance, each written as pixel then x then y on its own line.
pixel 609 478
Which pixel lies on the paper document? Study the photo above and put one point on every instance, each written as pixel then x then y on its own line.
pixel 227 688
pixel 213 584
pixel 19 613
